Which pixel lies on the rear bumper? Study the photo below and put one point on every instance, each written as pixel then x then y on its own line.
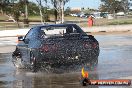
pixel 67 59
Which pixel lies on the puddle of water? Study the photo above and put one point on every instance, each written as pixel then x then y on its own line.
pixel 114 62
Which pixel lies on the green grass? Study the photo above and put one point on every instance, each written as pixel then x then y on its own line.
pixel 97 22
pixel 121 21
pixel 105 22
pixel 74 18
pixel 7 24
pixel 3 17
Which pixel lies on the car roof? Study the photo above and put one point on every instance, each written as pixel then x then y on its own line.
pixel 55 25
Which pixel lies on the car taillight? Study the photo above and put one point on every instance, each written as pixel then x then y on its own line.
pixel 86 44
pixel 45 48
pixel 94 45
pixel 54 47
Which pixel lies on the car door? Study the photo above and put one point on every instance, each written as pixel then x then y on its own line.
pixel 23 46
pixel 26 45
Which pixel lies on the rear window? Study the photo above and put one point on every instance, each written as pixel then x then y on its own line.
pixel 54 30
pixel 58 30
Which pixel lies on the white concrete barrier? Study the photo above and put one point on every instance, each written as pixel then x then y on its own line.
pixel 16 32
pixel 112 28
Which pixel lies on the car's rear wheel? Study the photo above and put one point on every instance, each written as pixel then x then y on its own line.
pixel 93 64
pixel 90 64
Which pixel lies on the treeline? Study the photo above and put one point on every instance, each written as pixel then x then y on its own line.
pixel 25 8
pixel 114 6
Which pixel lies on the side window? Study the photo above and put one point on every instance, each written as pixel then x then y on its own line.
pixel 74 30
pixel 71 29
pixel 33 33
pixel 79 30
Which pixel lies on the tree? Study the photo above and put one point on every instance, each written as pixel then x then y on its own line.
pixel 125 5
pixel 3 4
pixel 15 12
pixel 59 8
pixel 56 8
pixel 33 9
pixel 24 3
pixel 6 5
pixel 11 9
pixel 112 6
pixel 68 11
pixel 43 11
pixel 63 2
pixel 40 9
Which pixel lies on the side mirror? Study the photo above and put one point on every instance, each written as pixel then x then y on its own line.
pixel 20 38
pixel 26 41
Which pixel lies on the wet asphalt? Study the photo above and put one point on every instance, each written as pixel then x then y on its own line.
pixel 115 62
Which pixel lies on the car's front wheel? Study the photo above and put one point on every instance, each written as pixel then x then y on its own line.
pixel 17 61
pixel 33 63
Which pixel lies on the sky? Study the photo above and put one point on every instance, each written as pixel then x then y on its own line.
pixel 82 3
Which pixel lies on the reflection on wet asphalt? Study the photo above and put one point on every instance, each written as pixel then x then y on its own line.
pixel 115 62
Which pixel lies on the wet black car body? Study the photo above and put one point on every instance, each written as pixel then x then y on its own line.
pixel 58 45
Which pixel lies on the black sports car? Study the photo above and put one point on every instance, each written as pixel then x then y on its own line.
pixel 55 46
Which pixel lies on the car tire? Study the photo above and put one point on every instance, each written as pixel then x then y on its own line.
pixel 17 61
pixel 33 62
pixel 93 64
